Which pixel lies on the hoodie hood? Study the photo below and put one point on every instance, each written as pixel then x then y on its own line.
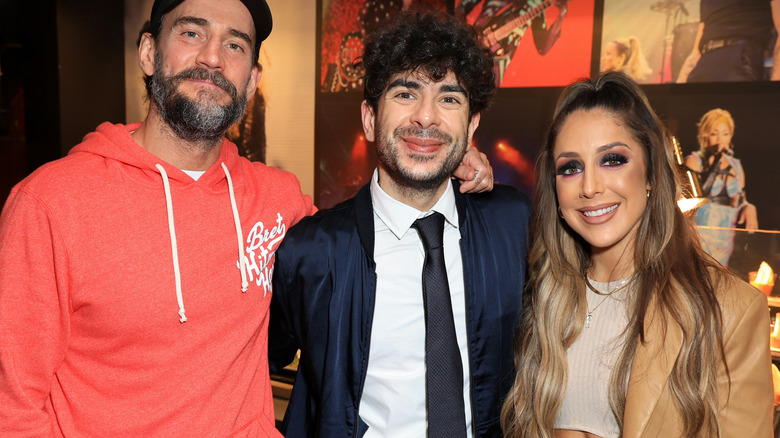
pixel 114 142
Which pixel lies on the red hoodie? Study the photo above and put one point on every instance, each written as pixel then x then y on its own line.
pixel 92 299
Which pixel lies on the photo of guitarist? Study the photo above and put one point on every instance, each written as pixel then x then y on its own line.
pixel 503 23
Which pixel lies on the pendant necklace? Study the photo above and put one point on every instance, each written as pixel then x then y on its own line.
pixel 589 315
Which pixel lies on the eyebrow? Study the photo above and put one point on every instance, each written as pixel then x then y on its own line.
pixel 456 88
pixel 600 149
pixel 204 22
pixel 238 34
pixel 190 20
pixel 415 85
pixel 404 83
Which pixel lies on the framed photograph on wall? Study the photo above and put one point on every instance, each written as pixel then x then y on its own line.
pixel 344 26
pixel 690 41
pixel 724 133
pixel 535 43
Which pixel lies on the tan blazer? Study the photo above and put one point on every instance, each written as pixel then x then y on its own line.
pixel 746 410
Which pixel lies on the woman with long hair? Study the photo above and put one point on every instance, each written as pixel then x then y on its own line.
pixel 630 328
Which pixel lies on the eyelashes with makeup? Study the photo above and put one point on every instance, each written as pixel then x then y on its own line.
pixel 569 168
pixel 614 160
pixel 574 167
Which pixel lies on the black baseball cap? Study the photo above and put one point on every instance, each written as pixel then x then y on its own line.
pixel 261 15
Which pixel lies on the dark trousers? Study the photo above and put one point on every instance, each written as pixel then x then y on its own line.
pixel 743 61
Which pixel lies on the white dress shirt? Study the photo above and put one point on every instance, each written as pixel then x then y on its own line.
pixel 393 399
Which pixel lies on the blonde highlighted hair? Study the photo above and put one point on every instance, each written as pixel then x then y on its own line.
pixel 707 125
pixel 674 275
pixel 635 65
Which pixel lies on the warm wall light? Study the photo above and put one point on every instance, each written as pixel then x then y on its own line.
pixel 692 195
pixel 763 279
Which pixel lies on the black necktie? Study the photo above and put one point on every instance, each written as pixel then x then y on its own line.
pixel 444 370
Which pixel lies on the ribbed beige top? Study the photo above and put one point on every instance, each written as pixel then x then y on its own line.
pixel 591 359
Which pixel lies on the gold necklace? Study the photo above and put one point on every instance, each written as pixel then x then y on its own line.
pixel 589 315
pixel 598 292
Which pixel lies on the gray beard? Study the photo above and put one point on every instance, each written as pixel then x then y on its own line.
pixel 414 183
pixel 199 120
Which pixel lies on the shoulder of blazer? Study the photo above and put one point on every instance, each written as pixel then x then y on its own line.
pixel 353 216
pixel 501 202
pixel 654 359
pixel 735 296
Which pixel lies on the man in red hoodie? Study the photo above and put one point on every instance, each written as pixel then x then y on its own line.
pixel 135 272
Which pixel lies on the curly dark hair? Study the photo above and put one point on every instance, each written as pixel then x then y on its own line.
pixel 431 42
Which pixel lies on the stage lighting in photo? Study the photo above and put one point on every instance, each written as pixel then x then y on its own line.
pixel 692 195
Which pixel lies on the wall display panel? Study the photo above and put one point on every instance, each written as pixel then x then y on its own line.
pixel 648 40
pixel 535 43
pixel 652 40
pixel 750 154
pixel 344 25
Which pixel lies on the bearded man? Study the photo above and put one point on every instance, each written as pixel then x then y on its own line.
pixel 404 300
pixel 135 273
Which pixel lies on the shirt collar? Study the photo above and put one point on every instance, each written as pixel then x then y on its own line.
pixel 399 217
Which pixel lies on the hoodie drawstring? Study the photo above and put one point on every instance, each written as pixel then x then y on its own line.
pixel 174 248
pixel 239 233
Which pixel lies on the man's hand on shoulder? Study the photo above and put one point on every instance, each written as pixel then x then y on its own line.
pixel 474 172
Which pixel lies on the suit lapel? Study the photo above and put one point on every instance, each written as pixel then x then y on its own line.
pixel 650 370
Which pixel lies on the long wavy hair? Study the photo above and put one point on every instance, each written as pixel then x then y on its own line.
pixel 673 274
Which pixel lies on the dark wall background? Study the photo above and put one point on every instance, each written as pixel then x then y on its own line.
pixel 13 163
pixel 63 74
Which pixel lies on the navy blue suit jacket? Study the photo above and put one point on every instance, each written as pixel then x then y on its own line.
pixel 324 285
